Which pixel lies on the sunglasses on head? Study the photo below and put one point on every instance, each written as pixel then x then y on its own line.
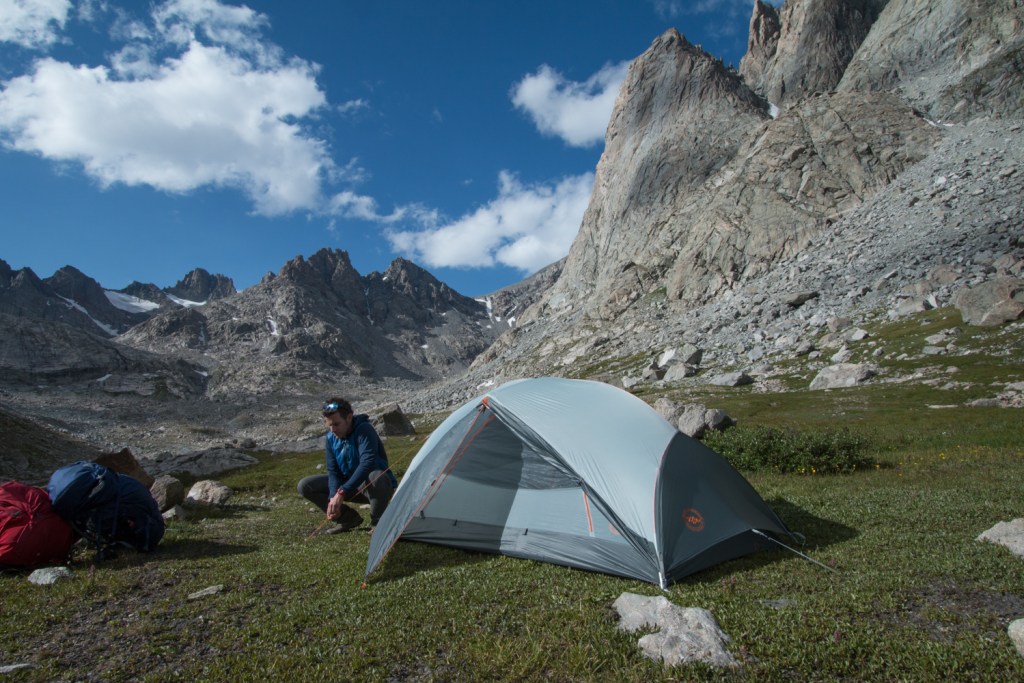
pixel 331 408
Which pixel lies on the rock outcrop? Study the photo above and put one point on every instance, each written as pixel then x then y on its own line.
pixel 708 214
pixel 803 48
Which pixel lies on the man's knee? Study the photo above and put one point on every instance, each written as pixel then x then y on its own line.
pixel 309 486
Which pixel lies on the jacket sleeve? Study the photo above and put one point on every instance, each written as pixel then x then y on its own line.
pixel 366 443
pixel 334 477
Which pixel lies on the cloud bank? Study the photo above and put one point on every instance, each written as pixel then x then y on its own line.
pixel 32 23
pixel 526 227
pixel 217 107
pixel 578 113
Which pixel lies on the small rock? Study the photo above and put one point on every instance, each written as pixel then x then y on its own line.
pixel 731 379
pixel 843 375
pixel 1008 534
pixel 208 492
pixel 684 634
pixel 11 668
pixel 206 592
pixel 49 575
pixel 176 513
pixel 1016 633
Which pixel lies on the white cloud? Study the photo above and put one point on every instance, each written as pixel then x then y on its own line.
pixel 181 22
pixel 32 23
pixel 525 227
pixel 223 112
pixel 353 106
pixel 668 9
pixel 348 204
pixel 576 112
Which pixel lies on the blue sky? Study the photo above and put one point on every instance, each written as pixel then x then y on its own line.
pixel 141 140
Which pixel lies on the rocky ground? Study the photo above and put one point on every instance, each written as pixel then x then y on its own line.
pixel 951 221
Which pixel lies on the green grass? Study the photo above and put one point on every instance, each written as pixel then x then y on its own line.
pixel 913 596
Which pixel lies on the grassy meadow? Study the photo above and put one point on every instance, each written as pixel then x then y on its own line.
pixel 910 595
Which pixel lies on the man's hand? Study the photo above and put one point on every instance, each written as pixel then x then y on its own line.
pixel 334 506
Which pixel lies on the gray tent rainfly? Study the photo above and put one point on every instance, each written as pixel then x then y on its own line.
pixel 577 473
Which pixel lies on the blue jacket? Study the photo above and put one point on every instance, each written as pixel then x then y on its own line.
pixel 351 459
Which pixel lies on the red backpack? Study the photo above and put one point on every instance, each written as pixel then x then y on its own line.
pixel 31 533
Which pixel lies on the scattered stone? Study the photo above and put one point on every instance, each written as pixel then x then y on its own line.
pixel 843 375
pixel 909 307
pixel 176 513
pixel 209 493
pixel 985 403
pixel 841 356
pixel 653 373
pixel 48 576
pixel 668 409
pixel 167 491
pixel 679 371
pixel 696 419
pixel 838 323
pixel 798 299
pixel 1016 633
pixel 684 635
pixel 856 335
pixel 1008 534
pixel 206 592
pixel 11 668
pixel 731 379
pixel 690 355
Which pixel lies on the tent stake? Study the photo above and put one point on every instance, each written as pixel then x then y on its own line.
pixel 793 550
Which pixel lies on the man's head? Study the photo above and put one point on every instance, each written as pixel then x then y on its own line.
pixel 338 416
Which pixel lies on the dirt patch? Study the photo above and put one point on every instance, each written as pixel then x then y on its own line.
pixel 949 609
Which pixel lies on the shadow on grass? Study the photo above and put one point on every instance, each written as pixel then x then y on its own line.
pixel 412 557
pixel 190 549
pixel 175 550
pixel 817 533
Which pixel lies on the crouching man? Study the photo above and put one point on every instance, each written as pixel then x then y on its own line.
pixel 357 469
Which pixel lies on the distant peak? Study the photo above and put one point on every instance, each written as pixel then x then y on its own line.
pixel 199 285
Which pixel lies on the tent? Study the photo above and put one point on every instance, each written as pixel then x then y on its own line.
pixel 577 473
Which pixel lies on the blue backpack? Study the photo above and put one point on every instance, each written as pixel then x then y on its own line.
pixel 106 507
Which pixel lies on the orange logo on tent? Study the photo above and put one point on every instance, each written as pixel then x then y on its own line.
pixel 694 520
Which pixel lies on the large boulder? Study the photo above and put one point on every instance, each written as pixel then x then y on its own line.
pixel 204 463
pixel 124 462
pixel 992 303
pixel 393 422
pixel 167 491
